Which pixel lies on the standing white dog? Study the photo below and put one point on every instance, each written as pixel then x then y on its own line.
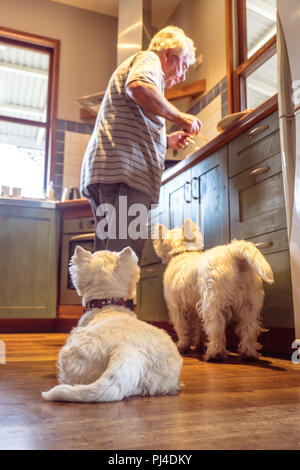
pixel 112 355
pixel 203 290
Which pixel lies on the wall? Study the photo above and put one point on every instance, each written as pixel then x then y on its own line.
pixel 204 22
pixel 88 45
pixel 88 57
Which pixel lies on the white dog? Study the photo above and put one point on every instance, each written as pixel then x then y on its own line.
pixel 111 355
pixel 203 290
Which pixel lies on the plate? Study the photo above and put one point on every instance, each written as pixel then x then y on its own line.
pixel 231 119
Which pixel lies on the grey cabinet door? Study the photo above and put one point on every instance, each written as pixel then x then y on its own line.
pixel 278 305
pixel 209 192
pixel 156 215
pixel 28 262
pixel 151 305
pixel 178 200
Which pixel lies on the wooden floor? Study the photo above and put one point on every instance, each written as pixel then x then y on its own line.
pixel 228 405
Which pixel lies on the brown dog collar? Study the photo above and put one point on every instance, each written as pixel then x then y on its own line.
pixel 100 303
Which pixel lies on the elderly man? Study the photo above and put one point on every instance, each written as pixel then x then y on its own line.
pixel 126 152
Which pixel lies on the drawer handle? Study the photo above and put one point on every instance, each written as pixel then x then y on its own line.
pixel 257 131
pixel 263 245
pixel 84 236
pixel 187 183
pixel 194 180
pixel 259 171
pixel 149 270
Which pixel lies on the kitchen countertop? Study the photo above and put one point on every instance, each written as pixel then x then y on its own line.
pixel 28 202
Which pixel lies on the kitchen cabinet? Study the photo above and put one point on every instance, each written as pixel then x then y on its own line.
pixel 177 200
pixel 257 211
pixel 236 192
pixel 151 305
pixel 28 262
pixel 209 198
pixel 200 193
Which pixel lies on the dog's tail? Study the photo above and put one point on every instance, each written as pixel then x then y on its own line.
pixel 249 252
pixel 119 380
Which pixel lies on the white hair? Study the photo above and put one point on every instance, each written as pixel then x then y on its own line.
pixel 174 38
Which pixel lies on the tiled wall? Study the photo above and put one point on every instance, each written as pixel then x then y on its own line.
pixel 72 137
pixel 70 143
pixel 75 145
pixel 209 109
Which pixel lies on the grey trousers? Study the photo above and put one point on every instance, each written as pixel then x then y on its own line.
pixel 100 194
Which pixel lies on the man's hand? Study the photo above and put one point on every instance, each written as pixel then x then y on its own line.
pixel 189 123
pixel 178 140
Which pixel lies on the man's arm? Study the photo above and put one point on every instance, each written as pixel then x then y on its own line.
pixel 148 97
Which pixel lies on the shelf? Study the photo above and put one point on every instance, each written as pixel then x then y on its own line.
pixel 192 89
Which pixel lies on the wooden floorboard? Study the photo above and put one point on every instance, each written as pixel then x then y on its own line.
pixel 229 405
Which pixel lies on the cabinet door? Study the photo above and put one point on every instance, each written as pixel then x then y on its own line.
pixel 156 215
pixel 209 192
pixel 178 200
pixel 28 262
pixel 278 305
pixel 257 200
pixel 151 305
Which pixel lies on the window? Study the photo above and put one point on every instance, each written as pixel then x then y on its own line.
pixel 28 94
pixel 251 53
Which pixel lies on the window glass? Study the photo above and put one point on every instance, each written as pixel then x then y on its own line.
pixel 23 83
pixel 22 158
pixel 261 23
pixel 262 84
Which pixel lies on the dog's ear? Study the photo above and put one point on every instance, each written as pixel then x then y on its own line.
pixel 159 232
pixel 81 256
pixel 188 231
pixel 127 253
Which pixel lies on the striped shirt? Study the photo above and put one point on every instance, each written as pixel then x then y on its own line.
pixel 128 143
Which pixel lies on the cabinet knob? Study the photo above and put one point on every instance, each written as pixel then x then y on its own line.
pixel 259 171
pixel 257 131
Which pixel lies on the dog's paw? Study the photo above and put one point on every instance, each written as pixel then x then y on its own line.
pixel 182 348
pixel 218 357
pixel 248 358
pixel 200 349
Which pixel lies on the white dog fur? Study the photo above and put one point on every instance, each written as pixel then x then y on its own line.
pixel 204 290
pixel 111 354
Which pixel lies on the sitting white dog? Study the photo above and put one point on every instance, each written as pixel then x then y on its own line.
pixel 204 290
pixel 111 355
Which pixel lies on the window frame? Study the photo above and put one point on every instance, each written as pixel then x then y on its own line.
pixel 51 47
pixel 238 66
